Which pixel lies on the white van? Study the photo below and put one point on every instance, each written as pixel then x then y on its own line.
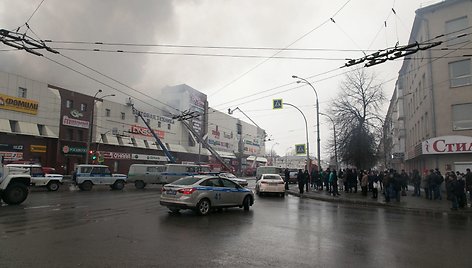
pixel 269 170
pixel 142 174
pixel 176 171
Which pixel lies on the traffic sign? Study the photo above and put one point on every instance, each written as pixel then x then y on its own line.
pixel 277 104
pixel 300 148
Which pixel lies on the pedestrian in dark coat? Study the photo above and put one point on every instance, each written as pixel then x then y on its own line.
pixel 451 185
pixel 301 181
pixel 333 178
pixel 416 179
pixel 306 177
pixel 468 183
pixel 287 178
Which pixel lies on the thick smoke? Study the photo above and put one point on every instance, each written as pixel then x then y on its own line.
pixel 87 20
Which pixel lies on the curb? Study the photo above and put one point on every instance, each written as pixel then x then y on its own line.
pixel 378 204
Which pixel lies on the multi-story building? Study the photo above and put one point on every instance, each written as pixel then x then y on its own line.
pixel 55 126
pixel 432 103
pixel 29 121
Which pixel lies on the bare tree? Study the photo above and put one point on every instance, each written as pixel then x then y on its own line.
pixel 357 111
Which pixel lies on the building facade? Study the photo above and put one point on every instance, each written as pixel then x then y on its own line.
pixel 432 104
pixel 55 126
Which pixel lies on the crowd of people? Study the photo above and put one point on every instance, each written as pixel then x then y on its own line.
pixel 390 183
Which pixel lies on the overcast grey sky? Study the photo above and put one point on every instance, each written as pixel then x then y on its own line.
pixel 249 83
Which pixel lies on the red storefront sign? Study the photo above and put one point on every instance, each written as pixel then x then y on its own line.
pixel 144 131
pixel 447 145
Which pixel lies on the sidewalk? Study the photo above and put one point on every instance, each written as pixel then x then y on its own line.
pixel 407 203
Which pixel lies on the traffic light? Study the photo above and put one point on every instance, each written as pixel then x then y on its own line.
pixel 94 157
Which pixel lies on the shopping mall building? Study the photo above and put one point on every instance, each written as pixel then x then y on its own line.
pixel 61 127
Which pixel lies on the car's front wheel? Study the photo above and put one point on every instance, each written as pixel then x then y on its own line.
pixel 53 186
pixel 203 207
pixel 119 185
pixel 15 193
pixel 139 184
pixel 86 186
pixel 246 203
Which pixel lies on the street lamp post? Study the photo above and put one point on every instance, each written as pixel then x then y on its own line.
pixel 271 153
pixel 306 133
pixel 334 133
pixel 317 117
pixel 92 111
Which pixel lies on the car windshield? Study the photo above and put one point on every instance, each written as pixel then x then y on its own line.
pixel 186 181
pixel 271 177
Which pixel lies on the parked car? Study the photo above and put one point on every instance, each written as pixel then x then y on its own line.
pixel 226 175
pixel 202 193
pixel 293 175
pixel 86 176
pixel 39 178
pixel 270 183
pixel 49 170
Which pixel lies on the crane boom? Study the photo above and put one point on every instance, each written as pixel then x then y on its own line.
pixel 164 148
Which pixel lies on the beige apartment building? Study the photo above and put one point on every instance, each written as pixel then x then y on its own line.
pixel 429 122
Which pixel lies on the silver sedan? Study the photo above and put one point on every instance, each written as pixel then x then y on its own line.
pixel 202 193
pixel 241 181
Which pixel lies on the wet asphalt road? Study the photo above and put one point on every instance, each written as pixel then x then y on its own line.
pixel 129 228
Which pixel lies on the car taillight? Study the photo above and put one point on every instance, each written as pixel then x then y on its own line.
pixel 281 182
pixel 187 191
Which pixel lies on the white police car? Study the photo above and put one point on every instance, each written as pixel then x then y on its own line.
pixel 86 176
pixel 201 193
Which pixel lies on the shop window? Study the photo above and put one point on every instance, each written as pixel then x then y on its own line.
pixel 462 116
pixel 459 73
pixel 14 126
pixel 104 137
pixel 41 130
pixel 22 92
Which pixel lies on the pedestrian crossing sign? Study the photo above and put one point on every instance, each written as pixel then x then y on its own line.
pixel 277 104
pixel 300 148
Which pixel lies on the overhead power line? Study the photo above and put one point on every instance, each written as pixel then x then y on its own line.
pixel 200 46
pixel 31 45
pixel 278 52
pixel 195 54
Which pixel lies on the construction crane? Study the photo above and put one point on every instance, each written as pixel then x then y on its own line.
pixel 164 148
